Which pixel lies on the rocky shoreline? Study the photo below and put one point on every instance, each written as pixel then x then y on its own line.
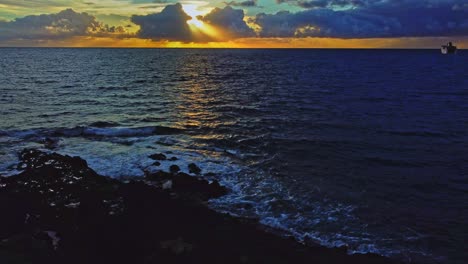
pixel 58 210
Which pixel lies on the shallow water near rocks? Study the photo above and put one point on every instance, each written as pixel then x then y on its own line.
pixel 363 148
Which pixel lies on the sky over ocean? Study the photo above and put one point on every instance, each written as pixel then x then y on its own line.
pixel 249 23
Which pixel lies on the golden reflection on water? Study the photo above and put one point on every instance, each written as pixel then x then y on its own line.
pixel 196 106
pixel 195 102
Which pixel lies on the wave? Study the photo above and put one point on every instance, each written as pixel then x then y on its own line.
pixel 411 133
pixel 104 124
pixel 97 129
pixel 394 162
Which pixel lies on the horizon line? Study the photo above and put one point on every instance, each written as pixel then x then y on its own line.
pixel 259 48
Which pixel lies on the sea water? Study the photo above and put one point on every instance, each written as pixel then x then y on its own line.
pixel 360 148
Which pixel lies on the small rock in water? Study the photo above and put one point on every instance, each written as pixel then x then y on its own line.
pixel 159 156
pixel 174 169
pixel 173 159
pixel 102 124
pixel 193 168
pixel 50 143
pixel 157 163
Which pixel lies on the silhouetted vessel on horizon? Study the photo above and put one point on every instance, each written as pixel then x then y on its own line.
pixel 448 49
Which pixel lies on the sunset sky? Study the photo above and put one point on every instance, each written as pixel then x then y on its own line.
pixel 236 24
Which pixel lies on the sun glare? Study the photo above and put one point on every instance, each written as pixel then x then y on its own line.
pixel 198 27
pixel 192 11
pixel 195 22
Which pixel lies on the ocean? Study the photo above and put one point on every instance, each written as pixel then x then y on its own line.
pixel 360 148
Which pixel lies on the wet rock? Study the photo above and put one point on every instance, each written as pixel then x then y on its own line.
pixel 159 176
pixel 193 168
pixel 189 186
pixel 174 169
pixel 157 163
pixel 173 159
pixel 95 219
pixel 34 159
pixel 104 124
pixel 197 188
pixel 159 156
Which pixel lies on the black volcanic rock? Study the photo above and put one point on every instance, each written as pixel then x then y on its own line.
pixel 174 169
pixel 198 187
pixel 159 156
pixel 193 168
pixel 159 176
pixel 104 124
pixel 58 210
pixel 188 186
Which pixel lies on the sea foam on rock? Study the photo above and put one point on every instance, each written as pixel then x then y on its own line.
pixel 58 210
pixel 184 184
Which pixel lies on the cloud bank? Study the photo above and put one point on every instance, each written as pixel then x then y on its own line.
pixel 368 19
pixel 64 24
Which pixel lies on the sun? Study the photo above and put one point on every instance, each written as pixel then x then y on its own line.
pixel 192 10
pixel 198 27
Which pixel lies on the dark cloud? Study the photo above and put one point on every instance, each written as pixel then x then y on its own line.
pixel 150 1
pixel 33 3
pixel 248 3
pixel 309 4
pixel 370 19
pixel 169 24
pixel 64 24
pixel 230 20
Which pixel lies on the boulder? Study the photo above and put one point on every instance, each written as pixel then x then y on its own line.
pixel 174 169
pixel 61 211
pixel 159 156
pixel 193 168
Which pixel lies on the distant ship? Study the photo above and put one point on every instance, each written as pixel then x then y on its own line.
pixel 448 49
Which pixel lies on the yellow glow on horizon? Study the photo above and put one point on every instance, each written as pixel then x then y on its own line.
pixel 133 42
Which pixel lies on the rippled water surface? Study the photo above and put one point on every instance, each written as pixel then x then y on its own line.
pixel 364 148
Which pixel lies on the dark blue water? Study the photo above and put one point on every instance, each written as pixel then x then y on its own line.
pixel 363 148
